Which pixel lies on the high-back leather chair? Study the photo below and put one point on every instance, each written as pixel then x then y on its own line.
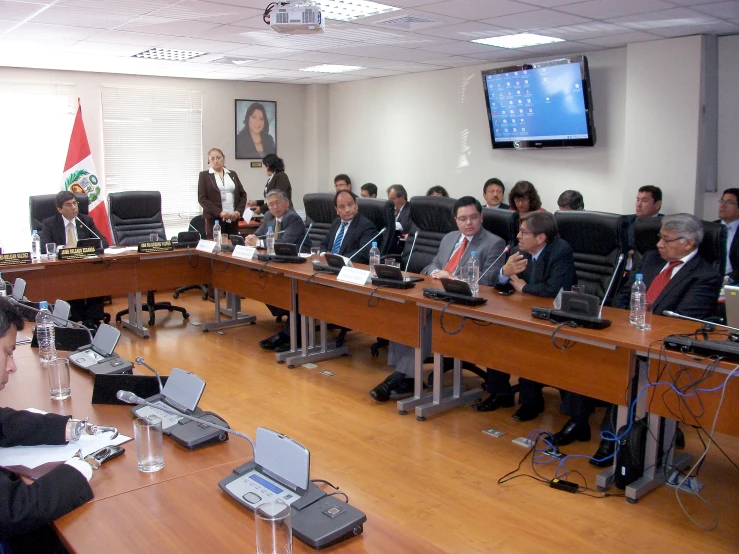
pixel 133 217
pixel 596 239
pixel 320 211
pixel 197 223
pixel 43 206
pixel 382 214
pixel 502 223
pixel 432 217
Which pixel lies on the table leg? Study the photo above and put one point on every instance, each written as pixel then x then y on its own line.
pixel 135 321
pixel 232 310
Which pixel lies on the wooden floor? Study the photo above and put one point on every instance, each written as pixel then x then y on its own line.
pixel 437 478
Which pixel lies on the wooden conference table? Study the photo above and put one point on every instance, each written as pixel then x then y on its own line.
pixel 178 509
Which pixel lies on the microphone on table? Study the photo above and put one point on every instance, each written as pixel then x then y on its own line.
pixel 139 360
pixel 368 243
pixel 191 226
pixel 131 398
pixel 610 283
pixel 668 313
pixel 86 227
pixel 307 232
pixel 55 317
pixel 408 261
pixel 505 251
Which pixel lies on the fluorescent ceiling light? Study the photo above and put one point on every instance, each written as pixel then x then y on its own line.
pixel 349 10
pixel 329 68
pixel 168 54
pixel 517 41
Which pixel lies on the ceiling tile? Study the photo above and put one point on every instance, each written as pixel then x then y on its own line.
pixel 126 37
pixel 459 48
pixel 453 61
pixel 50 32
pixel 538 19
pixel 164 26
pixel 469 30
pixel 207 11
pixel 17 11
pixel 605 9
pixel 676 17
pixel 618 41
pixel 200 45
pixel 323 57
pixel 257 51
pixel 725 10
pixel 82 17
pixel 281 64
pixel 105 48
pixel 551 3
pixel 561 48
pixel 475 9
pixel 585 30
pixel 716 28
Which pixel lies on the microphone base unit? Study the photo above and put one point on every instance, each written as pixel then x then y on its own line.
pixel 441 294
pixel 725 349
pixel 408 283
pixel 558 316
pixel 281 259
pixel 318 520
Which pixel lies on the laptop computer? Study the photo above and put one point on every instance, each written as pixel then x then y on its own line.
pixel 102 347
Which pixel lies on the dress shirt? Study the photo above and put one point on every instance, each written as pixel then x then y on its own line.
pixel 227 188
pixel 398 226
pixel 730 234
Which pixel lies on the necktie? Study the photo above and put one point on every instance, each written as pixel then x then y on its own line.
pixel 277 227
pixel 71 239
pixel 660 282
pixel 453 262
pixel 339 237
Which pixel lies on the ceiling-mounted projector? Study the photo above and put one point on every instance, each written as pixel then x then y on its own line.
pixel 295 19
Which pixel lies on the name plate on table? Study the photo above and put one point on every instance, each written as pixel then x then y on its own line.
pixel 15 258
pixel 353 275
pixel 244 252
pixel 77 253
pixel 206 245
pixel 155 246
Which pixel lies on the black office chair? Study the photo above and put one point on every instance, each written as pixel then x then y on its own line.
pixel 320 211
pixel 432 217
pixel 382 214
pixel 198 222
pixel 133 217
pixel 597 241
pixel 43 206
pixel 502 223
pixel 713 246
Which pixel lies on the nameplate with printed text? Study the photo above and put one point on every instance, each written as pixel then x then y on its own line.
pixel 15 258
pixel 77 253
pixel 155 246
pixel 353 275
pixel 244 252
pixel 206 245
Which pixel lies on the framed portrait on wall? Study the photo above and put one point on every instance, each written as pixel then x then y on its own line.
pixel 256 129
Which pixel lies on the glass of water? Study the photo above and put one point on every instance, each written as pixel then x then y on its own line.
pixel 274 528
pixel 149 444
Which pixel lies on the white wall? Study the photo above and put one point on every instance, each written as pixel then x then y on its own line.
pixel 218 118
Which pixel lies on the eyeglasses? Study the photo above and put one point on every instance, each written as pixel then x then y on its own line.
pixel 727 202
pixel 464 219
pixel 668 241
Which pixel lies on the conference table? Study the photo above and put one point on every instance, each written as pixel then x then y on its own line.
pixel 177 509
pixel 501 333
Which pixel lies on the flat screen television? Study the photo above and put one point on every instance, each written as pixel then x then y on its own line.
pixel 540 105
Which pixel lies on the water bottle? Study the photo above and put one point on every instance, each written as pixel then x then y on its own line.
pixel 638 297
pixel 217 236
pixel 45 333
pixel 2 286
pixel 473 273
pixel 374 259
pixel 35 246
pixel 270 241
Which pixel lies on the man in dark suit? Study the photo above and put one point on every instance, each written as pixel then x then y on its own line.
pixel 454 252
pixel 494 191
pixel 399 196
pixel 648 204
pixel 27 510
pixel 677 279
pixel 351 231
pixel 288 227
pixel 541 265
pixel 66 229
pixel 728 212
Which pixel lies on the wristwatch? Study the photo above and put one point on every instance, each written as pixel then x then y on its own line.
pixel 79 427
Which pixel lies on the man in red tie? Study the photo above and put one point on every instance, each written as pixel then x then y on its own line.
pixel 677 280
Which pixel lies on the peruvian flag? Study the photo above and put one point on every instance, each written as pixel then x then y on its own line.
pixel 80 176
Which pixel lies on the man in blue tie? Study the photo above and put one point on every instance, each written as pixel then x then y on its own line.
pixel 351 231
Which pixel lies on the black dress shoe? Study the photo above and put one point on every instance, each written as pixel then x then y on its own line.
pixel 527 412
pixel 381 392
pixel 271 342
pixel 571 432
pixel 283 345
pixel 493 402
pixel 404 389
pixel 605 450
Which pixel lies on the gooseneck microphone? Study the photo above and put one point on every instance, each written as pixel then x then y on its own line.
pixel 668 313
pixel 54 317
pixel 307 232
pixel 505 251
pixel 139 360
pixel 86 227
pixel 408 261
pixel 131 398
pixel 610 283
pixel 368 242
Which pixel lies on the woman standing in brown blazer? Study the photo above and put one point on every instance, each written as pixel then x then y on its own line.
pixel 221 195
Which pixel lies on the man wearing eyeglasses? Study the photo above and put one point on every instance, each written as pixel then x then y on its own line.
pixel 678 280
pixel 65 229
pixel 454 253
pixel 728 212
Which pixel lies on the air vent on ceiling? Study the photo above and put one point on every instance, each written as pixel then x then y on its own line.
pixel 168 54
pixel 408 22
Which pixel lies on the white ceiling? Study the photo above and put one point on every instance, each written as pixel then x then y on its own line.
pixel 102 35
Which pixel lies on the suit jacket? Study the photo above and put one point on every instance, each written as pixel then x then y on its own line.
pixel 209 195
pixel 360 231
pixel 488 248
pixel 279 181
pixel 245 149
pixel 53 230
pixel 553 270
pixel 405 218
pixel 292 229
pixel 25 508
pixel 693 291
pixel 733 256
